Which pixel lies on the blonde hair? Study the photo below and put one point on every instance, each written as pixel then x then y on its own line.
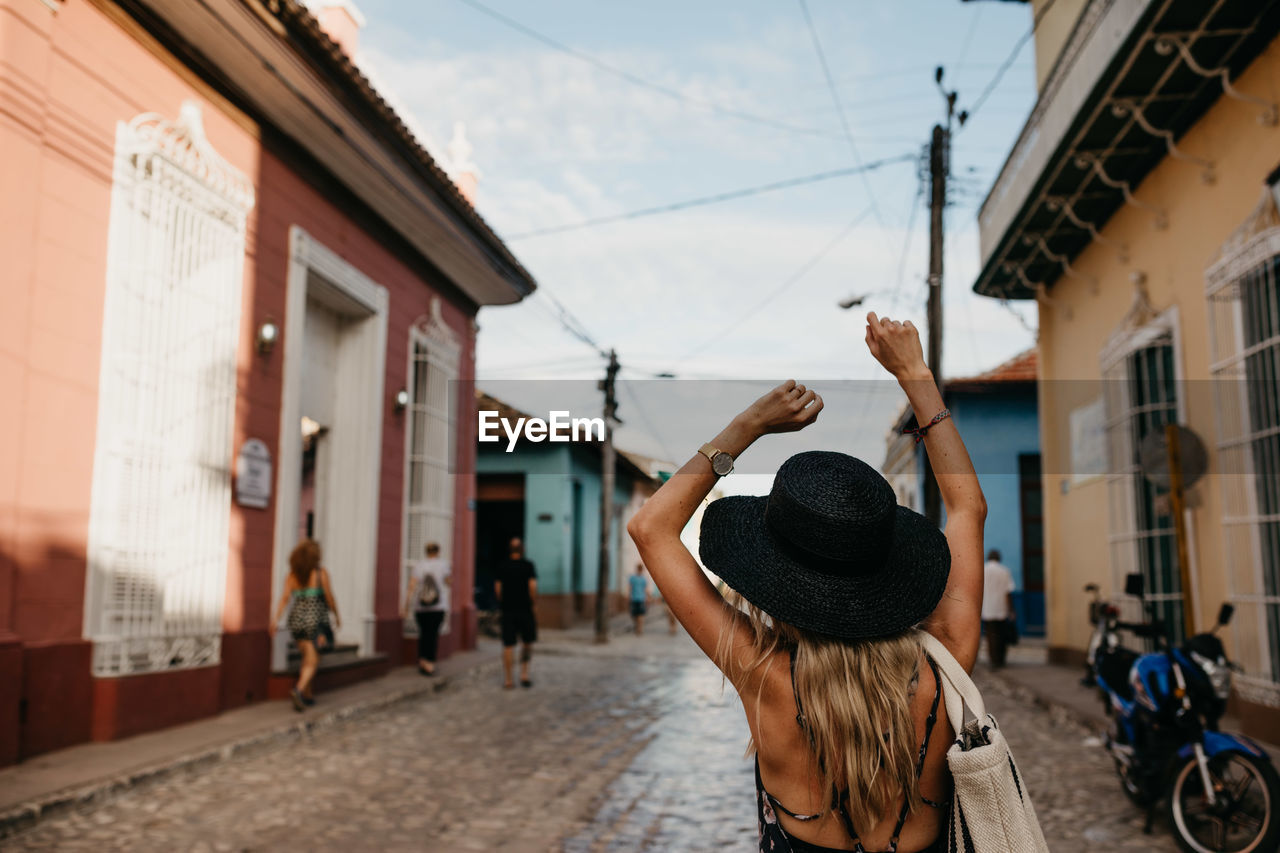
pixel 856 701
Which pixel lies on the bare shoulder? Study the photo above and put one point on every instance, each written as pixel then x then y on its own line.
pixel 770 704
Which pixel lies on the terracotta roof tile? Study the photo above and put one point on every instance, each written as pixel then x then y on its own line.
pixel 1021 368
pixel 306 27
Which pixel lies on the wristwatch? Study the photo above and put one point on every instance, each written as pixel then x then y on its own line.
pixel 721 462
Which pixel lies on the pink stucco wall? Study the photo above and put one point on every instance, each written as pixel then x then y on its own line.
pixel 66 79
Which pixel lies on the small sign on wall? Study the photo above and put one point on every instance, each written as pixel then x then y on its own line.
pixel 1088 442
pixel 253 474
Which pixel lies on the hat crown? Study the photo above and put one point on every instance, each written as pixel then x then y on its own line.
pixel 836 510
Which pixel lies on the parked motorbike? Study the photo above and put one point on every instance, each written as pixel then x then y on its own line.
pixel 1221 791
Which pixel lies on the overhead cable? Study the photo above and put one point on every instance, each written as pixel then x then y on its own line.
pixel 636 80
pixel 906 244
pixel 787 284
pixel 574 326
pixel 713 199
pixel 653 430
pixel 1008 63
pixel 835 97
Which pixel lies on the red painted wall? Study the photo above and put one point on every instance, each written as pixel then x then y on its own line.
pixel 66 79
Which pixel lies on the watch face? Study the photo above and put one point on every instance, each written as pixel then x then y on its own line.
pixel 722 463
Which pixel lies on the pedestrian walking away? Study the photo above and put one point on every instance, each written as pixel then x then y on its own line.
pixel 997 608
pixel 639 598
pixel 428 592
pixel 309 599
pixel 516 585
pixel 833 587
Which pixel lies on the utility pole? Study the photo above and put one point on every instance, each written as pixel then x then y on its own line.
pixel 939 168
pixel 607 460
pixel 939 155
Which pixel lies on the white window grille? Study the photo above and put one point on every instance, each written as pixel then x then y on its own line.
pixel 434 353
pixel 1243 291
pixel 161 497
pixel 1140 390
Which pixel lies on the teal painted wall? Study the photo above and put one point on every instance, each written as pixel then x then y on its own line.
pixel 548 489
pixel 550 472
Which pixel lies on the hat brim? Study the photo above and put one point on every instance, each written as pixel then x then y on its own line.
pixel 738 546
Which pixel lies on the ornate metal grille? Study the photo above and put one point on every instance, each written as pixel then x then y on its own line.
pixel 1141 396
pixel 161 499
pixel 428 508
pixel 1244 327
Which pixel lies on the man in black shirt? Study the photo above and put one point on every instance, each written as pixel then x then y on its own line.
pixel 516 585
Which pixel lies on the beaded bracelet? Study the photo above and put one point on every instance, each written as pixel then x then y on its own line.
pixel 919 432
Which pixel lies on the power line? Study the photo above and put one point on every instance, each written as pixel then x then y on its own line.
pixel 1008 63
pixel 791 280
pixel 906 243
pixel 574 326
pixel 835 97
pixel 554 364
pixel 636 80
pixel 653 431
pixel 713 199
pixel 968 38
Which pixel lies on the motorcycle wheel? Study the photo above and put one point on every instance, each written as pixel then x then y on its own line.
pixel 1244 819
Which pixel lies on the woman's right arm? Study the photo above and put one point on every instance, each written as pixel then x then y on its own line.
pixel 957 620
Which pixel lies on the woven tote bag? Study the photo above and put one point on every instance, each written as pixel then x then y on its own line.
pixel 991 811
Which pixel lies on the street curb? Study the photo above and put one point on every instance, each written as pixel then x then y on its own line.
pixel 26 816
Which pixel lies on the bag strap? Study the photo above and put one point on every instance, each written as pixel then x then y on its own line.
pixel 964 702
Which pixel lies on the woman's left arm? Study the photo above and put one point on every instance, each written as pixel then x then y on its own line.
pixel 657 526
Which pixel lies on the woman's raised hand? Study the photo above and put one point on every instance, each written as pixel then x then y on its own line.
pixel 787 408
pixel 896 345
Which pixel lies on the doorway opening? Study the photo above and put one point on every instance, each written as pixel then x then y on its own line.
pixel 331 429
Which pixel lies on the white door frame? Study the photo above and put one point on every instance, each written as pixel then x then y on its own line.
pixel 354 459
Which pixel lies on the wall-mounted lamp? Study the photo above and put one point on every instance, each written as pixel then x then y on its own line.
pixel 268 334
pixel 402 400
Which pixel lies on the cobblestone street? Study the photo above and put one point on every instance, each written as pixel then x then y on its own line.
pixel 631 746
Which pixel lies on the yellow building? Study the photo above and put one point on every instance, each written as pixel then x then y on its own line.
pixel 1138 207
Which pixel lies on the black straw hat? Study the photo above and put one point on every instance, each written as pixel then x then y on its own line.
pixel 829 550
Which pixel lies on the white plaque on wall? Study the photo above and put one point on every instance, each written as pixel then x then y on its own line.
pixel 253 474
pixel 1088 442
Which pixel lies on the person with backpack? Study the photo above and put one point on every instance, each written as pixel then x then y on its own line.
pixel 429 584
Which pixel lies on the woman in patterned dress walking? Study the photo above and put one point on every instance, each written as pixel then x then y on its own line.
pixel 307 587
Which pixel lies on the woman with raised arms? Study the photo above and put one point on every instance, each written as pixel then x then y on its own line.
pixel 833 585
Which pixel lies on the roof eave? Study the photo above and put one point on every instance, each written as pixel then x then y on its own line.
pixel 1089 141
pixel 274 63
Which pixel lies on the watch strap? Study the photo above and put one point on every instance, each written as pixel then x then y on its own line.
pixel 713 453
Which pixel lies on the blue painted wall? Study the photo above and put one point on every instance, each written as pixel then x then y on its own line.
pixel 998 427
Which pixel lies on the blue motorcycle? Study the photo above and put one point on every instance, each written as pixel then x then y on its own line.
pixel 1220 789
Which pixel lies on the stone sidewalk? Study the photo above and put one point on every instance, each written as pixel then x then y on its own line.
pixel 80 776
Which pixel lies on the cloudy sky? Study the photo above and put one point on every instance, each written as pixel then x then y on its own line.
pixel 640 105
